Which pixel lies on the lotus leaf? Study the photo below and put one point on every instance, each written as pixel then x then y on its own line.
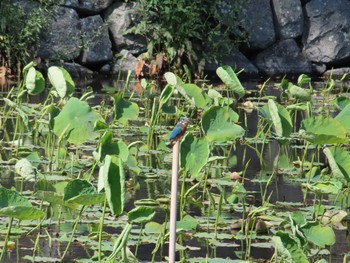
pixel 341 102
pixel 14 205
pixel 194 154
pixel 82 192
pixel 61 81
pixel 279 116
pixel 124 110
pixel 35 82
pixel 229 77
pixel 323 130
pixel 218 124
pixel 25 169
pixel 195 94
pixel 111 178
pixel 344 117
pixel 76 121
pixel 107 146
pixel 141 214
pixel 339 161
pixel 288 249
pixel 299 93
pixel 319 235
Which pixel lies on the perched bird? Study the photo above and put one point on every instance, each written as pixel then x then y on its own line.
pixel 178 131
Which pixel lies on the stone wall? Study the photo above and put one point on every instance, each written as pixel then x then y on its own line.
pixel 284 36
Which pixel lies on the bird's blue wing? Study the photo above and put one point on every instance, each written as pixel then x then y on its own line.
pixel 176 131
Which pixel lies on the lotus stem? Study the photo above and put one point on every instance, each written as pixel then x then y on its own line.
pixel 73 232
pixel 173 202
pixel 4 248
pixel 101 228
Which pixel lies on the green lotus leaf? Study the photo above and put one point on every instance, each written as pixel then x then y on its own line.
pixel 124 110
pixel 82 192
pixel 25 169
pixel 341 102
pixel 194 154
pixel 279 116
pixel 195 93
pixel 288 249
pixel 339 161
pixel 35 82
pixel 323 130
pixel 299 93
pixel 319 235
pixel 344 117
pixel 218 124
pixel 229 77
pixel 76 121
pixel 112 179
pixel 141 214
pixel 14 205
pixel 61 81
pixel 21 212
pixel 107 146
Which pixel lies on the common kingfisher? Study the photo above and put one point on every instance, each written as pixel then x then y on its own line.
pixel 178 131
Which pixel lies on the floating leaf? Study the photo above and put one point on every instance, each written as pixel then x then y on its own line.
pixel 229 77
pixel 76 121
pixel 35 82
pixel 188 223
pixel 219 126
pixel 153 228
pixel 124 110
pixel 194 154
pixel 141 214
pixel 323 130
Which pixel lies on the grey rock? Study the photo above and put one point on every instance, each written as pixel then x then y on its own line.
pixel 97 47
pixel 318 68
pixel 61 39
pixel 125 63
pixel 326 36
pixel 238 62
pixel 78 71
pixel 289 18
pixel 258 23
pixel 87 7
pixel 338 73
pixel 121 17
pixel 282 58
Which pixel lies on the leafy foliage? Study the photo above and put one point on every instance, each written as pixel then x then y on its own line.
pixel 185 31
pixel 20 31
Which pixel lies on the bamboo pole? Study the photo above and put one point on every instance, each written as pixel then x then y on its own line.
pixel 173 202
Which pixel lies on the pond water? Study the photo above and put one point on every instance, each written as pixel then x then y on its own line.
pixel 275 182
